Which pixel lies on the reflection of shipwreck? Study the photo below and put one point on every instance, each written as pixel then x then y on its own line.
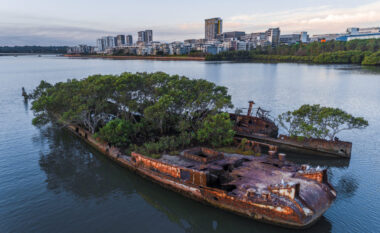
pixel 266 188
pixel 263 129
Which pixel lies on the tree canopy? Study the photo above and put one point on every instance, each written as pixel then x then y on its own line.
pixel 132 108
pixel 314 121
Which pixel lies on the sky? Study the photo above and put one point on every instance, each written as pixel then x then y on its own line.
pixel 72 22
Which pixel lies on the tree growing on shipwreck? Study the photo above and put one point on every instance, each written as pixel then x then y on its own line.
pixel 315 121
pixel 147 112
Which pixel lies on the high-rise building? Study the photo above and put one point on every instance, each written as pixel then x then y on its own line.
pixel 213 27
pixel 120 40
pixel 100 44
pixel 145 36
pixel 149 36
pixel 141 36
pixel 129 40
pixel 110 42
pixel 273 36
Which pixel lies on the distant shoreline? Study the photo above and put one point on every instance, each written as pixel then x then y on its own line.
pixel 27 54
pixel 139 57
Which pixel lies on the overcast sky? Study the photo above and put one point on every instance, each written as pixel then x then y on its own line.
pixel 70 22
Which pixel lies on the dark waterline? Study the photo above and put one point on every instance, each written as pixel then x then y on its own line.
pixel 52 182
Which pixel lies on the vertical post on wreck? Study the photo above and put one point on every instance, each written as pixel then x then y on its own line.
pixel 24 94
pixel 251 103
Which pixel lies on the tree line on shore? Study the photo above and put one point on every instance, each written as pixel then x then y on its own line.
pixel 147 112
pixel 34 49
pixel 365 52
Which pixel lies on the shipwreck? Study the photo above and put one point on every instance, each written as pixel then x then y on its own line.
pixel 266 188
pixel 261 128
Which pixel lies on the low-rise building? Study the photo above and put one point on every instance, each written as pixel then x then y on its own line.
pixel 236 35
pixel 305 37
pixel 81 49
pixel 324 37
pixel 359 36
pixel 357 31
pixel 290 39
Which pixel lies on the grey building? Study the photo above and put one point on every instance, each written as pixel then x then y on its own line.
pixel 141 36
pixel 145 36
pixel 357 31
pixel 290 39
pixel 213 27
pixel 305 37
pixel 110 42
pixel 325 37
pixel 149 36
pixel 273 36
pixel 129 40
pixel 232 35
pixel 190 41
pixel 120 40
pixel 100 44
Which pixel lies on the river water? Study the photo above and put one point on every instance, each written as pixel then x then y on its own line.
pixel 52 182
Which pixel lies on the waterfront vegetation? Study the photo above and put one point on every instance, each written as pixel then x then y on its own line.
pixel 126 52
pixel 153 113
pixel 315 121
pixel 34 49
pixel 147 112
pixel 364 52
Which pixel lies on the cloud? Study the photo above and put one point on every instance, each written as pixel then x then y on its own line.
pixel 323 19
pixel 21 29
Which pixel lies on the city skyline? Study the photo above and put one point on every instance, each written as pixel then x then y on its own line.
pixel 60 23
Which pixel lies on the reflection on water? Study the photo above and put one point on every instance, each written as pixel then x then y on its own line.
pixel 375 70
pixel 346 186
pixel 74 167
pixel 52 182
pixel 319 161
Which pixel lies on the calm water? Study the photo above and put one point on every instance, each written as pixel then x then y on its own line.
pixel 51 182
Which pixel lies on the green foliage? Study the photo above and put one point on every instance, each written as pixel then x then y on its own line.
pixel 34 49
pixel 153 108
pixel 314 121
pixel 118 132
pixel 340 57
pixel 331 52
pixel 216 130
pixel 167 144
pixel 373 59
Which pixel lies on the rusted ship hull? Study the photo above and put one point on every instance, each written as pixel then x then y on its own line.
pixel 214 198
pixel 315 148
pixel 289 209
pixel 263 129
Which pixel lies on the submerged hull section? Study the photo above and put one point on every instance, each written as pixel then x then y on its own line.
pixel 313 147
pixel 266 188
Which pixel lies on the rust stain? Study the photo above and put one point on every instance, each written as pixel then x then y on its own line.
pixel 263 188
